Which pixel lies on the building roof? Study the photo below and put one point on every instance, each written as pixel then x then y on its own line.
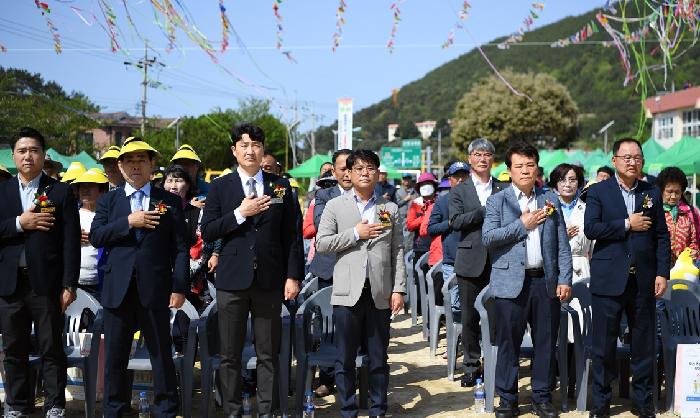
pixel 683 99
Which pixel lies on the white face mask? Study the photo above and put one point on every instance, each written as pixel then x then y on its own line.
pixel 426 190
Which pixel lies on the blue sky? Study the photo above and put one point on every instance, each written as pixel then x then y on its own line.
pixel 362 68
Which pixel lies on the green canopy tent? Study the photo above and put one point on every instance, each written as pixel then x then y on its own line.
pixel 311 167
pixel 652 149
pixel 83 157
pixel 496 171
pixel 7 161
pixel 683 154
pixel 553 159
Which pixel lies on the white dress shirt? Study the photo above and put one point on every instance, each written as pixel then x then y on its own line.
pixel 259 189
pixel 533 251
pixel 483 190
pixel 129 190
pixel 367 210
pixel 26 196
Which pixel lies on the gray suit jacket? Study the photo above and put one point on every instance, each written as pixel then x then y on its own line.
pixel 322 264
pixel 466 215
pixel 383 254
pixel 504 235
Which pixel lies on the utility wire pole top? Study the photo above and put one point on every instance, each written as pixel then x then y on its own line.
pixel 143 64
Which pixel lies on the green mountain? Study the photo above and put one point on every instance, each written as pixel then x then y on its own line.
pixel 592 73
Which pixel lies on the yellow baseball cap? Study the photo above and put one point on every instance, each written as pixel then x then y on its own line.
pixel 5 171
pixel 226 171
pixel 112 152
pixel 135 144
pixel 93 175
pixel 157 175
pixel 294 183
pixel 186 152
pixel 504 176
pixel 74 170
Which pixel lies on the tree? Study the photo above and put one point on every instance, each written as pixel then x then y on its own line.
pixel 210 134
pixel 27 100
pixel 490 110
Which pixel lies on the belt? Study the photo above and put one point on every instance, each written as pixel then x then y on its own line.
pixel 535 272
pixel 633 269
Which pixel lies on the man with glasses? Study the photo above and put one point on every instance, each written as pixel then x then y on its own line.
pixel 472 266
pixel 629 268
pixel 261 260
pixel 369 280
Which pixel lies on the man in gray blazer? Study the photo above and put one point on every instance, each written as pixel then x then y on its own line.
pixel 365 233
pixel 322 264
pixel 531 270
pixel 466 215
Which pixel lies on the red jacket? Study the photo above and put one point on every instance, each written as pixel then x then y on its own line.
pixel 436 242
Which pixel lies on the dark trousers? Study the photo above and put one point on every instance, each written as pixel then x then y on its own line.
pixel 640 309
pixel 17 312
pixel 352 323
pixel 533 305
pixel 469 289
pixel 265 307
pixel 120 324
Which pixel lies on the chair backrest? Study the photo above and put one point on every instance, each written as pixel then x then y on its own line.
pixel 680 284
pixel 74 315
pixel 208 331
pixel 582 294
pixel 212 290
pixel 449 283
pixel 430 280
pixel 420 270
pixel 484 304
pixel 309 288
pixel 315 318
pixel 408 261
pixel 683 316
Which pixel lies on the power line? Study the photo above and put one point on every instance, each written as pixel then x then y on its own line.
pixel 144 64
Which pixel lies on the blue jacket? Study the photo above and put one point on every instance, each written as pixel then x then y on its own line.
pixel 439 224
pixel 616 249
pixel 504 234
pixel 322 264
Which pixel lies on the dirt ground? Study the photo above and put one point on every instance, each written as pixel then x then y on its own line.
pixel 418 385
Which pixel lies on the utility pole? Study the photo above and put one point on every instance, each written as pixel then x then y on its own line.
pixel 143 64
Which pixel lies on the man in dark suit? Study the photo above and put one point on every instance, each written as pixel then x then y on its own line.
pixel 260 264
pixel 629 268
pixel 146 273
pixel 322 264
pixel 466 215
pixel 40 264
pixel 531 269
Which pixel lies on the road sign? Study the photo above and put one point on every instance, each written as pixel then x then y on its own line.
pixel 401 157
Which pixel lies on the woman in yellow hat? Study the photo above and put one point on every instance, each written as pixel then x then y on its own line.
pixel 90 186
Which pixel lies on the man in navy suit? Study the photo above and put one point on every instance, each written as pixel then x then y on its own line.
pixel 143 230
pixel 629 268
pixel 531 269
pixel 39 266
pixel 260 264
pixel 322 264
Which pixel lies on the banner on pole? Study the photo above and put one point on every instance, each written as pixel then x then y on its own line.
pixel 344 123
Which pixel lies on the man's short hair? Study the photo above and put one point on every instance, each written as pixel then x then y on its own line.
pixel 522 148
pixel 619 142
pixel 27 132
pixel 343 151
pixel 269 154
pixel 481 144
pixel 362 155
pixel 605 169
pixel 254 132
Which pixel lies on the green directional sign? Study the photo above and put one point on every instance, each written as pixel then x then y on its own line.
pixel 401 157
pixel 411 143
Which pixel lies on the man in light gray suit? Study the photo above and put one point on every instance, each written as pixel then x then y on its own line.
pixel 365 233
pixel 531 269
